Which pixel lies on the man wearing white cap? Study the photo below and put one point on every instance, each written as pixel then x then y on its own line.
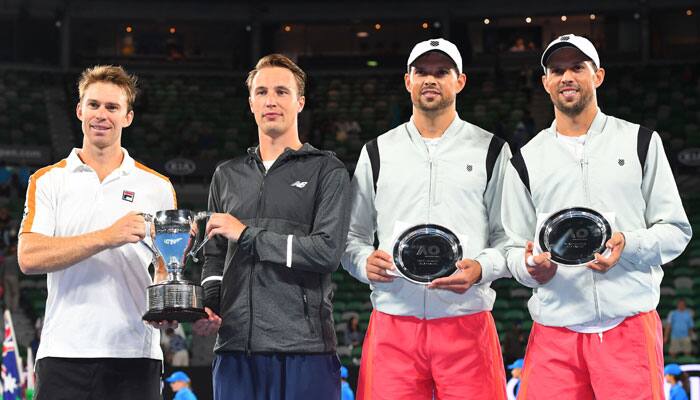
pixel 597 321
pixel 438 340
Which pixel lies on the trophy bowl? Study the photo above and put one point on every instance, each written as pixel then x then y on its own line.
pixel 574 235
pixel 174 299
pixel 427 252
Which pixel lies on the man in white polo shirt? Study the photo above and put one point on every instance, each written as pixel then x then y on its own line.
pixel 82 224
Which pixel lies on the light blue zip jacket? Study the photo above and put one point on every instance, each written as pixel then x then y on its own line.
pixel 609 178
pixel 448 188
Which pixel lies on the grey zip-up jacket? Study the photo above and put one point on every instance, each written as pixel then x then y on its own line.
pixel 545 177
pixel 272 288
pixel 454 187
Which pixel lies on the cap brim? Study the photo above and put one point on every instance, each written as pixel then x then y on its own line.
pixel 454 63
pixel 548 53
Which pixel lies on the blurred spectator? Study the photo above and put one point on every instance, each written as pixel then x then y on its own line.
pixel 353 336
pixel 678 380
pixel 176 350
pixel 5 180
pixel 345 389
pixel 519 45
pixel 38 325
pixel 346 127
pixel 11 278
pixel 514 342
pixel 513 385
pixel 180 385
pixel 679 327
pixel 8 230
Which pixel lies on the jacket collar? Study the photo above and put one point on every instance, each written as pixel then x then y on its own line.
pixel 451 130
pixel 596 128
pixel 74 163
pixel 306 149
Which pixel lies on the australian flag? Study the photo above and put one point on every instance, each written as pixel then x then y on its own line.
pixel 11 381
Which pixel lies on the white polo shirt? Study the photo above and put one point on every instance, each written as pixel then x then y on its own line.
pixel 94 307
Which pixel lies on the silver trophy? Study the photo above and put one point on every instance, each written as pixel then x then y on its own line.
pixel 174 299
pixel 427 252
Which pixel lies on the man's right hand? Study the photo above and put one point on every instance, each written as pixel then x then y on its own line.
pixel 539 266
pixel 379 263
pixel 207 326
pixel 128 229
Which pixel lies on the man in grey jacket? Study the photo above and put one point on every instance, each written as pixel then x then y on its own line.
pixel 439 339
pixel 278 229
pixel 596 322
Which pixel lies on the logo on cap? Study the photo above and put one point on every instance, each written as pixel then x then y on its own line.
pixel 564 38
pixel 434 43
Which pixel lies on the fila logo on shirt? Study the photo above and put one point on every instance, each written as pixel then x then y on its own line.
pixel 128 196
pixel 299 184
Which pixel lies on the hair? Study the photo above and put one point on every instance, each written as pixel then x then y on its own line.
pixel 110 74
pixel 281 61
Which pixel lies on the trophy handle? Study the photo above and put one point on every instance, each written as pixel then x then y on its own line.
pixel 196 247
pixel 150 232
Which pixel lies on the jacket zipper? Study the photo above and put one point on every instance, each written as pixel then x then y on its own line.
pixel 584 173
pixel 306 310
pixel 430 204
pixel 252 269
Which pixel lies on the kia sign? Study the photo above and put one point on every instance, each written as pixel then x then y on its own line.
pixel 690 157
pixel 180 167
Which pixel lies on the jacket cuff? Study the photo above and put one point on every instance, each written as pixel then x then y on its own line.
pixel 633 247
pixel 521 273
pixel 487 273
pixel 212 295
pixel 362 271
pixel 246 241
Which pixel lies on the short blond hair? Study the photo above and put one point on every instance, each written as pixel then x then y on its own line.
pixel 282 61
pixel 111 74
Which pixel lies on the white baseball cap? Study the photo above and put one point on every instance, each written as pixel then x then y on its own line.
pixel 570 40
pixel 441 45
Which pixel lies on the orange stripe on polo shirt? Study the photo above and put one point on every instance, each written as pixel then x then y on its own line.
pixel 161 176
pixel 31 194
pixel 649 323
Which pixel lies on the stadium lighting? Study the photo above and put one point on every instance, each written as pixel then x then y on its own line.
pixel 592 17
pixel 172 30
pixel 129 29
pixel 287 28
pixel 377 26
pixel 689 12
pixel 528 20
pixel 487 21
pixel 563 18
pixel 424 25
pixel 362 34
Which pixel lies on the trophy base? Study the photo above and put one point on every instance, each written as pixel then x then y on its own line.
pixel 175 314
pixel 175 301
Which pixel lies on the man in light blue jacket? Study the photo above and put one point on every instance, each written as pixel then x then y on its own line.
pixel 595 322
pixel 438 340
